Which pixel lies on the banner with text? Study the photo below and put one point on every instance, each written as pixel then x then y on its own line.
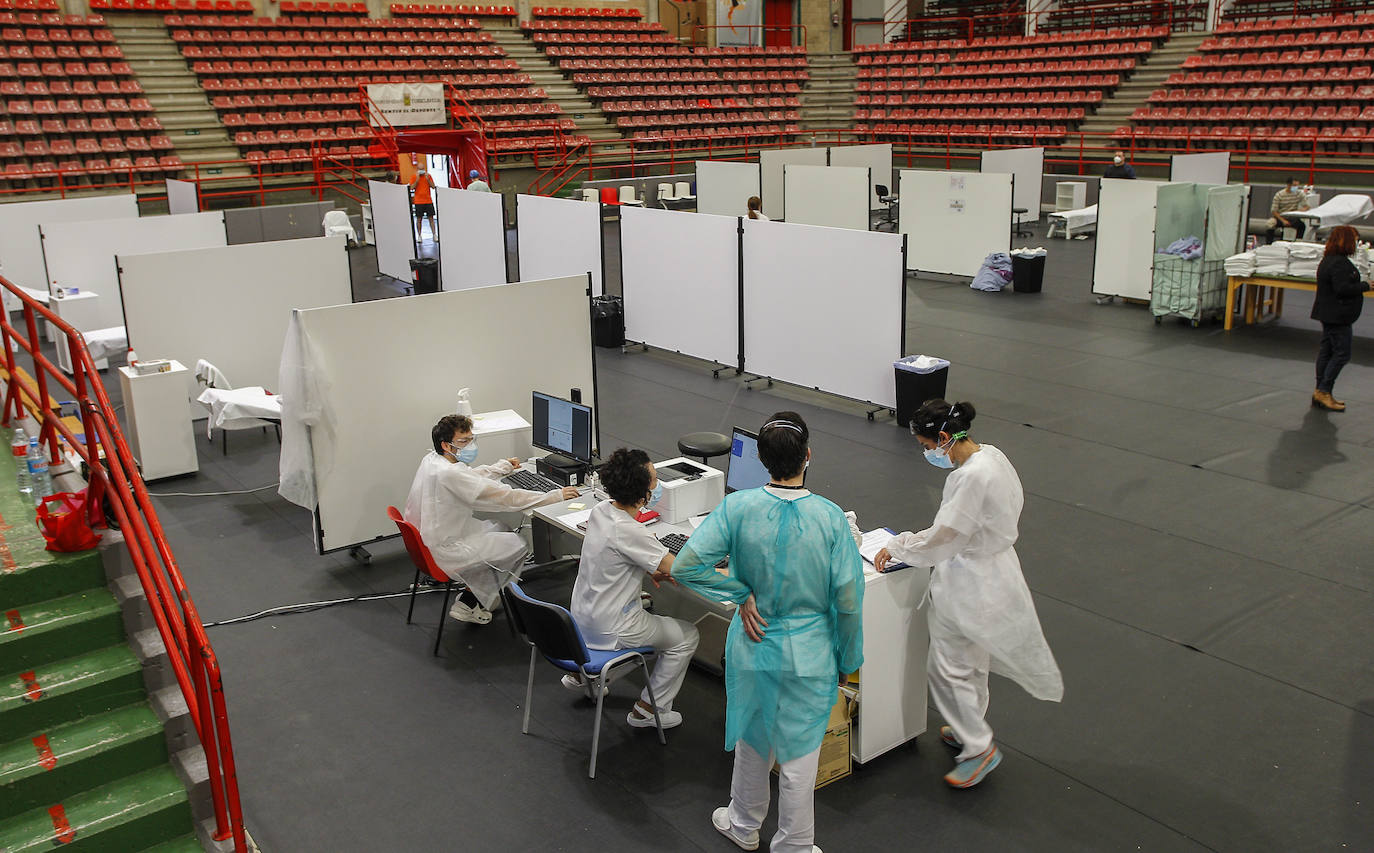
pixel 406 104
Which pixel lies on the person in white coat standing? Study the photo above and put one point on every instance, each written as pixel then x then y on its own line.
pixel 981 615
pixel 447 490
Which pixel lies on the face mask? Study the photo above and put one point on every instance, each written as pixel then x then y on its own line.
pixel 1118 160
pixel 468 454
pixel 655 495
pixel 939 457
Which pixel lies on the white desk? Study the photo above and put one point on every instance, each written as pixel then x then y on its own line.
pixel 162 438
pixel 892 683
pixel 82 312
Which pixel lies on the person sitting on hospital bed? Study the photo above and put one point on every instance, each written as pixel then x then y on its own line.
pixel 447 490
pixel 1287 200
pixel 617 554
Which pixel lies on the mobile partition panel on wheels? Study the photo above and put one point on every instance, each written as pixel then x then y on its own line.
pixel 394 228
pixel 833 196
pixel 724 188
pixel 878 158
pixel 21 249
pixel 824 308
pixel 953 220
pixel 1123 258
pixel 1028 167
pixel 770 174
pixel 1213 167
pixel 182 197
pixel 363 384
pixel 82 254
pixel 558 237
pixel 233 308
pixel 474 249
pixel 680 279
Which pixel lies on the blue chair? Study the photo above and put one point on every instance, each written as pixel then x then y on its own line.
pixel 551 631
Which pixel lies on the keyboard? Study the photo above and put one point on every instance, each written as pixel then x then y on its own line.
pixel 673 542
pixel 530 481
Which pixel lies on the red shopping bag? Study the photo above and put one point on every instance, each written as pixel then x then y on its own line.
pixel 62 518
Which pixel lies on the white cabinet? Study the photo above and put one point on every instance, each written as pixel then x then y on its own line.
pixel 160 435
pixel 892 682
pixel 502 434
pixel 1070 195
pixel 82 312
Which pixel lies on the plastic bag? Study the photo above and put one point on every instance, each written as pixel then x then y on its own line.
pixel 62 519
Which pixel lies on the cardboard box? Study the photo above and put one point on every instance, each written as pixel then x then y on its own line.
pixel 835 760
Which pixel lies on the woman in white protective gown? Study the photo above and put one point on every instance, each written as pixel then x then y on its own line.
pixel 981 615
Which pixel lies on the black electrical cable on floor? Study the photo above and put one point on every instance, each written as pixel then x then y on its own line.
pixel 311 606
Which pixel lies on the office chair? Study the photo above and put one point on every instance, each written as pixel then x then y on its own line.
pixel 424 562
pixel 889 201
pixel 551 631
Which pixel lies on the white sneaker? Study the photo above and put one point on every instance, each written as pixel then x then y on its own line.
pixel 576 685
pixel 720 819
pixel 476 614
pixel 638 720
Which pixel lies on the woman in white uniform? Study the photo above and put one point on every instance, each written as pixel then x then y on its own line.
pixel 447 490
pixel 981 614
pixel 617 553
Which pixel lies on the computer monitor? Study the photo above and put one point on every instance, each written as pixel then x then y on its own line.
pixel 561 426
pixel 744 470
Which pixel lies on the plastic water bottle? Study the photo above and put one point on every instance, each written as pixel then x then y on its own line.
pixel 19 448
pixel 38 472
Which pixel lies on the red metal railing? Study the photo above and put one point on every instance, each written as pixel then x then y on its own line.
pixel 1154 12
pixel 113 475
pixel 794 29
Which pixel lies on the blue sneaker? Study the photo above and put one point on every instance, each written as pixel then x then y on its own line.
pixel 971 771
pixel 947 736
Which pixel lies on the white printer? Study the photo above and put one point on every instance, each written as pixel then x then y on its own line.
pixel 689 488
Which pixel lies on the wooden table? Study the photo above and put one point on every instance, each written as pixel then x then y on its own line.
pixel 1254 299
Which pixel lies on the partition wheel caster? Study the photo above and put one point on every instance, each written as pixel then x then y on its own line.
pixel 1105 300
pixel 360 554
pixel 1159 321
pixel 870 416
pixel 1195 324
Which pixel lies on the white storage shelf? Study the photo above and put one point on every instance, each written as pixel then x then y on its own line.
pixel 1070 195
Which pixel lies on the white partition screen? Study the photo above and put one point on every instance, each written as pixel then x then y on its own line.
pixel 1123 259
pixel 182 197
pixel 1028 166
pixel 474 232
pixel 834 196
pixel 1211 168
pixel 666 255
pixel 558 237
pixel 234 309
pixel 21 249
pixel 393 228
pixel 405 379
pixel 953 220
pixel 724 188
pixel 770 173
pixel 841 292
pixel 82 254
pixel 878 158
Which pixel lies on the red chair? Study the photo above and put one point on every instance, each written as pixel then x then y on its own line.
pixel 424 562
pixel 610 196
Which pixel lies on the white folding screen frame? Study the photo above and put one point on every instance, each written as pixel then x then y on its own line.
pixel 182 197
pixel 559 237
pixel 394 387
pixel 82 254
pixel 21 247
pixel 725 187
pixel 234 309
pixel 770 174
pixel 832 196
pixel 474 253
pixel 953 220
pixel 1028 166
pixel 1124 251
pixel 393 227
pixel 680 281
pixel 1213 167
pixel 877 158
pixel 840 291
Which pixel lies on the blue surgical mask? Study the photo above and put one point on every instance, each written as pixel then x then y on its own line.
pixel 655 495
pixel 468 455
pixel 939 457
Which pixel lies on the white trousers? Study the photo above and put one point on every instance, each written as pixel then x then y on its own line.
pixel 957 669
pixel 750 792
pixel 675 641
pixel 499 547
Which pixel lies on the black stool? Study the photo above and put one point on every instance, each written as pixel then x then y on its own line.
pixel 704 445
pixel 1021 229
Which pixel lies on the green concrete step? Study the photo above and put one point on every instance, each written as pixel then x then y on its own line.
pixel 130 814
pixel 184 844
pixel 49 767
pixel 35 700
pixel 47 631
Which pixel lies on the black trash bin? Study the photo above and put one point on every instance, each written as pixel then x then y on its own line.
pixel 424 274
pixel 608 321
pixel 1027 272
pixel 916 384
